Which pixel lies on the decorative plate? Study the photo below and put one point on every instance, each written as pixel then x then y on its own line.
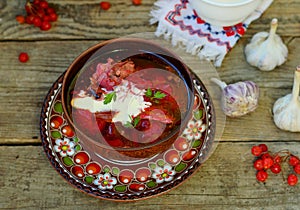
pixel 127 180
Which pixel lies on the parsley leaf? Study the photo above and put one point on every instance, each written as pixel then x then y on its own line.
pixel 109 97
pixel 136 121
pixel 133 122
pixel 148 92
pixel 159 95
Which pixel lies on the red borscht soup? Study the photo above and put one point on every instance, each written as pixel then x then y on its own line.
pixel 128 101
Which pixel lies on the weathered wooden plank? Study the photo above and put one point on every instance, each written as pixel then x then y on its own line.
pixel 23 88
pixel 85 20
pixel 29 182
pixel 79 20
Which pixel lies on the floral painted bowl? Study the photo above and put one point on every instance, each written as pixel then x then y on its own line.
pixel 123 180
pixel 127 98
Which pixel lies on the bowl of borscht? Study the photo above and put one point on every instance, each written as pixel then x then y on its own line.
pixel 127 98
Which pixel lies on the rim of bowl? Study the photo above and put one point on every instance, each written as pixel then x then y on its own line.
pixel 98 46
pixel 224 4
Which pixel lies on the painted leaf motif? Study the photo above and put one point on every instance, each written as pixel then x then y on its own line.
pixel 56 134
pixel 196 143
pixel 198 114
pixel 151 184
pixel 161 163
pixel 120 188
pixel 180 167
pixel 115 170
pixel 89 179
pixel 58 107
pixel 67 161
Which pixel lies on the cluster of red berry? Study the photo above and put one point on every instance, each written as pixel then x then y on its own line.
pixel 105 5
pixel 39 13
pixel 265 160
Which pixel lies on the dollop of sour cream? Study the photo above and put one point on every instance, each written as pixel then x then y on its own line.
pixel 129 102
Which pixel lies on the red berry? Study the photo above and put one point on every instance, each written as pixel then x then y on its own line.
pixel 36 2
pixel 293 160
pixel 20 19
pixel 258 164
pixel 266 155
pixel 40 13
pixel 268 163
pixel 30 7
pixel 46 18
pixel 263 147
pixel 29 19
pixel 53 17
pixel 277 159
pixel 297 168
pixel 23 57
pixel 276 168
pixel 105 5
pixel 45 26
pixel 136 2
pixel 261 175
pixel 50 10
pixel 44 4
pixel 292 179
pixel 256 151
pixel 37 21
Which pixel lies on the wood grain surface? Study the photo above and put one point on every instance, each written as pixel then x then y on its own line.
pixel 85 20
pixel 226 180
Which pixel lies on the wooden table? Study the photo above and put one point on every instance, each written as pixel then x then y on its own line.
pixel 225 181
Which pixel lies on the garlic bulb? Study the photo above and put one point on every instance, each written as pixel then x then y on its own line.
pixel 287 109
pixel 239 98
pixel 266 50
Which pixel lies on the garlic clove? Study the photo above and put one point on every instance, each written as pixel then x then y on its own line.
pixel 286 110
pixel 239 98
pixel 266 50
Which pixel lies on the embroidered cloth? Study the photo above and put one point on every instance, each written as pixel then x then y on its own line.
pixel 180 23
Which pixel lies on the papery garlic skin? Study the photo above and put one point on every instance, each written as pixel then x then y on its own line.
pixel 266 50
pixel 286 110
pixel 238 99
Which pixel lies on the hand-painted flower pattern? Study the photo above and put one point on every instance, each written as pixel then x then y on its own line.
pixel 64 147
pixel 163 174
pixel 105 181
pixel 194 130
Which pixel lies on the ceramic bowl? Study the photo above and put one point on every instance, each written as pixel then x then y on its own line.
pixel 103 140
pixel 224 12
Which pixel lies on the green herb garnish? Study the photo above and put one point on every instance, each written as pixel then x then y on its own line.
pixel 136 121
pixel 109 97
pixel 133 122
pixel 157 95
pixel 148 93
